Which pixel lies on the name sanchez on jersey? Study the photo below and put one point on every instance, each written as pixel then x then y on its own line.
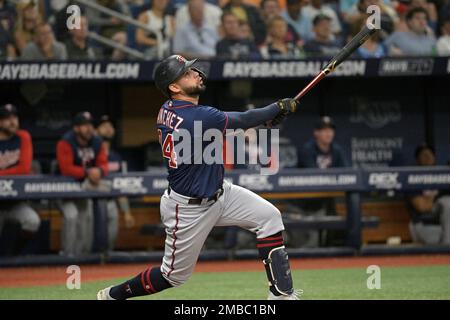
pixel 169 119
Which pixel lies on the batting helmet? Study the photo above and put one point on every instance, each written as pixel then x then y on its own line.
pixel 170 69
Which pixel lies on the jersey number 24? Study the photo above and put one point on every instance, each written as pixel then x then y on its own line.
pixel 168 149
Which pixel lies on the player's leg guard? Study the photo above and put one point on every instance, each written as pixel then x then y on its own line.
pixel 148 282
pixel 276 263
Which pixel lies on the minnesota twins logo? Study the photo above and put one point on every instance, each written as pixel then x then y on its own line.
pixel 180 58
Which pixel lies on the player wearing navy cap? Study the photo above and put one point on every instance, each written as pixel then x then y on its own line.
pixel 198 198
pixel 81 154
pixel 16 155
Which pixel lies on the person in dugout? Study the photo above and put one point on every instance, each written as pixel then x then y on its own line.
pixel 106 130
pixel 80 154
pixel 16 155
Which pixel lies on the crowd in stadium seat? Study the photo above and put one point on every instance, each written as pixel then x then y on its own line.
pixel 278 29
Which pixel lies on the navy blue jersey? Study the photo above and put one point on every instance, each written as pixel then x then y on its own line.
pixel 9 152
pixel 83 155
pixel 312 157
pixel 73 159
pixel 192 180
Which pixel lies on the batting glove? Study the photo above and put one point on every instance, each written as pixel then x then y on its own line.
pixel 287 105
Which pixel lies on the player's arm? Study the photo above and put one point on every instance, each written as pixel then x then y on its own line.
pixel 64 155
pixel 274 112
pixel 102 160
pixel 23 167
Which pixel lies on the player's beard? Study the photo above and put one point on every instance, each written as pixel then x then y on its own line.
pixel 195 91
pixel 9 130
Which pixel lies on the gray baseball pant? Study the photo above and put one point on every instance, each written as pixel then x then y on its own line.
pixel 434 233
pixel 78 226
pixel 188 226
pixel 22 213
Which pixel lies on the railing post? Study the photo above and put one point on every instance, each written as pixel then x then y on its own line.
pixel 100 209
pixel 354 216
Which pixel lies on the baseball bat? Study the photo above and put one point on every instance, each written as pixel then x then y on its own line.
pixel 349 48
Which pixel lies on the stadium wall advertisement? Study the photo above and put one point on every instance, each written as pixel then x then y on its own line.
pixel 288 180
pixel 218 70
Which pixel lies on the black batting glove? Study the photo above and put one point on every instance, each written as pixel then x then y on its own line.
pixel 287 105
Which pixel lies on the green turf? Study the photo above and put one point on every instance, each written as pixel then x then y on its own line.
pixel 426 282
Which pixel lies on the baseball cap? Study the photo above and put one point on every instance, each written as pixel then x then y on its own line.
pixel 7 110
pixel 169 70
pixel 103 119
pixel 325 122
pixel 81 118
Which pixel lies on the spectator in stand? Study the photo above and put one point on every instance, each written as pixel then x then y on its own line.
pixel 110 27
pixel 318 7
pixel 372 47
pixel 250 14
pixel 276 46
pixel 211 14
pixel 269 9
pixel 44 46
pixel 429 209
pixel 16 155
pixel 196 39
pixel 81 155
pixel 106 131
pixel 27 21
pixel 443 43
pixel 8 16
pixel 321 152
pixel 431 10
pixel 323 44
pixel 77 46
pixel 297 20
pixel 233 45
pixel 246 31
pixel 7 48
pixel 58 19
pixel 157 44
pixel 417 41
pixel 389 18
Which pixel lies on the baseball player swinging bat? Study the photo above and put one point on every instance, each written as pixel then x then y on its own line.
pixel 354 44
pixel 198 198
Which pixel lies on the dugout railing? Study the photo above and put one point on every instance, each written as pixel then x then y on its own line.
pixel 354 182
